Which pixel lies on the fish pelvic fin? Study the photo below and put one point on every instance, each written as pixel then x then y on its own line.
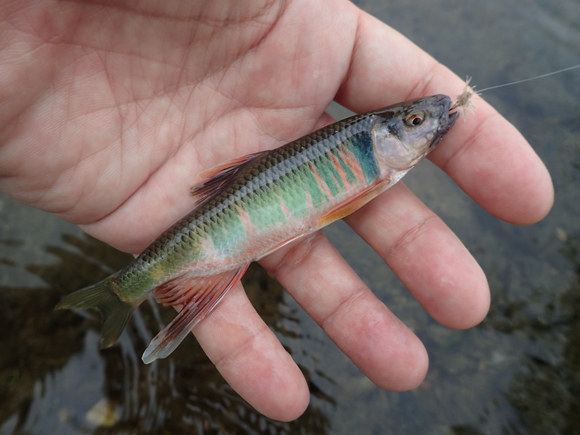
pixel 115 312
pixel 198 296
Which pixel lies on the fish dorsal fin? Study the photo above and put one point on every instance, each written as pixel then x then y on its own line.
pixel 197 296
pixel 220 175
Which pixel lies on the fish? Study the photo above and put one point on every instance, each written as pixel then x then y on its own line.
pixel 256 204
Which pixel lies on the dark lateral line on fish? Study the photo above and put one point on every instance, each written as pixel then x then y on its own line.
pixel 529 79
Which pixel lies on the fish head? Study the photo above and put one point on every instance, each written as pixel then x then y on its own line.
pixel 406 132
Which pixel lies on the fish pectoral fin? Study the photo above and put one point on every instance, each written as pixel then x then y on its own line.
pixel 198 296
pixel 219 176
pixel 353 204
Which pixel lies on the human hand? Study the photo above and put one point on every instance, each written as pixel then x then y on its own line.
pixel 109 114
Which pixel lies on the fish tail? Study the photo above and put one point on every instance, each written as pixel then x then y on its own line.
pixel 100 296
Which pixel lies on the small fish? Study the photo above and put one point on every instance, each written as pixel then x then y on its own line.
pixel 254 205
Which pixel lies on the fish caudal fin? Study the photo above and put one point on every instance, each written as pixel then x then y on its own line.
pixel 198 296
pixel 100 296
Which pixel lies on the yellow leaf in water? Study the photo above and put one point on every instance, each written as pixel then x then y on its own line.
pixel 103 414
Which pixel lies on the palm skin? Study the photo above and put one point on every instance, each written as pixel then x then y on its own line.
pixel 109 113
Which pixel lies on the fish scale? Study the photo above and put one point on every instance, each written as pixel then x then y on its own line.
pixel 259 203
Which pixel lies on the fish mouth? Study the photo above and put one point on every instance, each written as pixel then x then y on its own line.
pixel 450 121
pixel 445 126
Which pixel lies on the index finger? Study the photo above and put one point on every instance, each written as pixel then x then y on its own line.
pixel 485 155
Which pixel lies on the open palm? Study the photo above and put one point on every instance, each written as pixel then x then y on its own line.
pixel 109 113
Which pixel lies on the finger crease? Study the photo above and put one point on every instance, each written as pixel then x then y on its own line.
pixel 412 234
pixel 353 297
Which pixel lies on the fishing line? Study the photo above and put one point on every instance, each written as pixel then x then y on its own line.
pixel 529 79
pixel 463 100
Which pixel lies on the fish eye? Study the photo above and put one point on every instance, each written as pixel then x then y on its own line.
pixel 415 118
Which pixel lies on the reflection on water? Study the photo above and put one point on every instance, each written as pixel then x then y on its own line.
pixel 518 372
pixel 55 380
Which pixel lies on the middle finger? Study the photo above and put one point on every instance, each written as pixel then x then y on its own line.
pixel 321 281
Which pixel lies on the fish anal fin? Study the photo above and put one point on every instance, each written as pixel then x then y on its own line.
pixel 198 296
pixel 353 204
pixel 218 176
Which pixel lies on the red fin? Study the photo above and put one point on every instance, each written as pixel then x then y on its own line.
pixel 198 295
pixel 216 177
pixel 353 204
